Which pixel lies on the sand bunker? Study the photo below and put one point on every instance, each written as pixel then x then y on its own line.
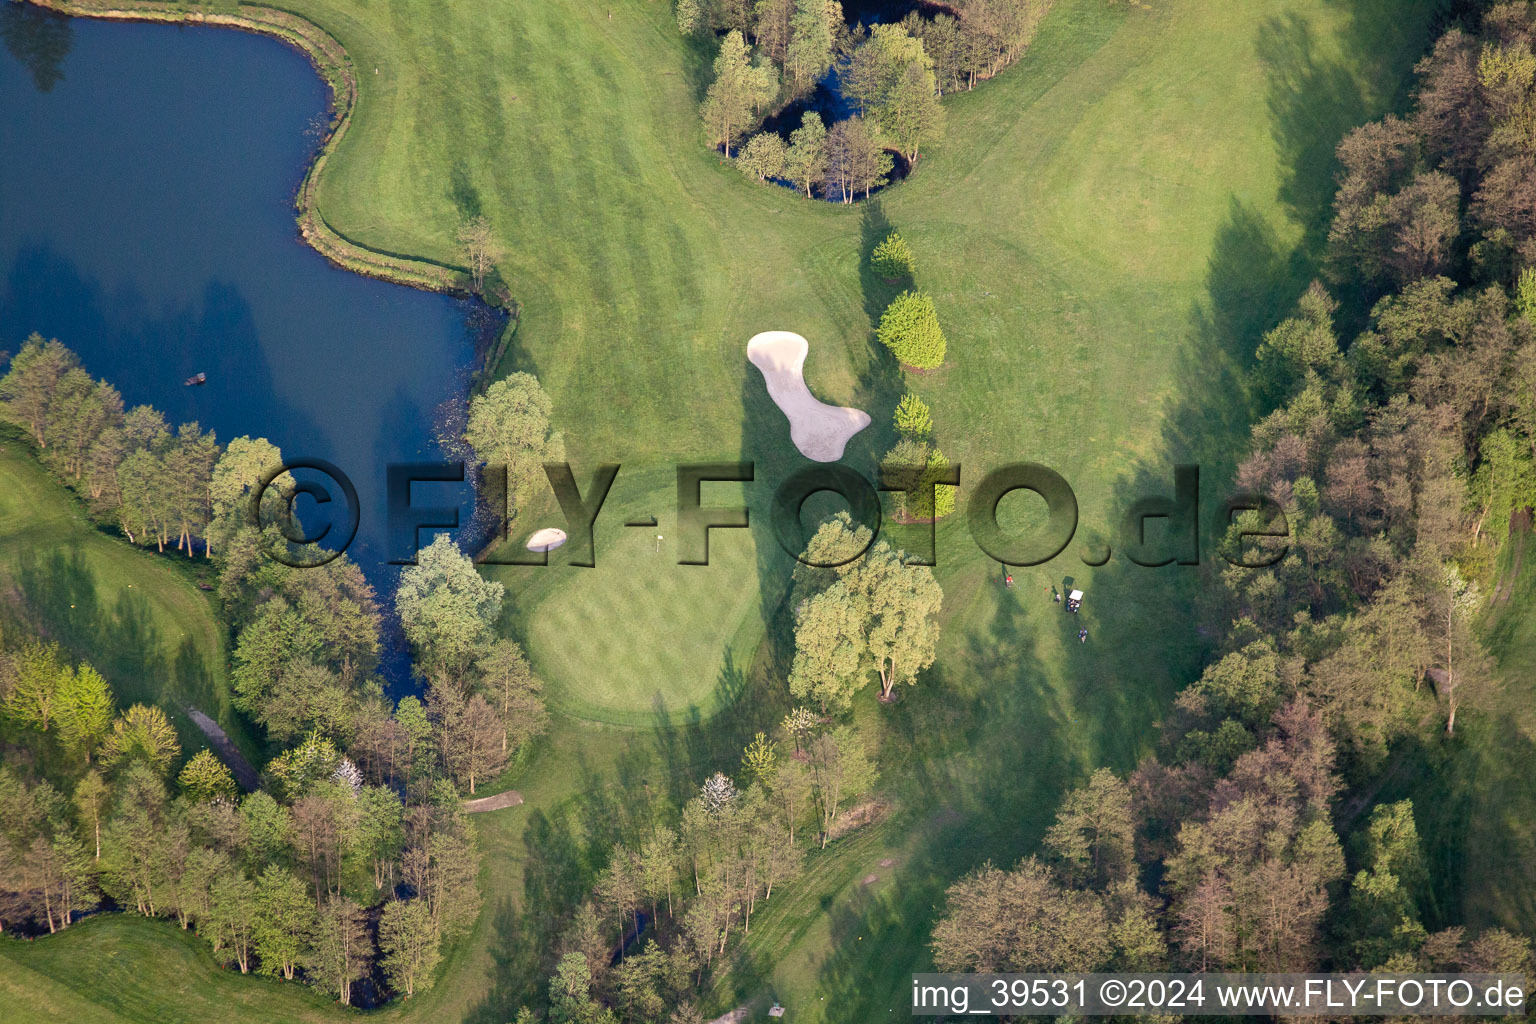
pixel 819 430
pixel 546 540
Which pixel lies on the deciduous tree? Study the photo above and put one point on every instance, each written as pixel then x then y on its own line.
pixel 142 734
pixel 410 945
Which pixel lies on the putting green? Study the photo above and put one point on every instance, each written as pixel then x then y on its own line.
pixel 639 639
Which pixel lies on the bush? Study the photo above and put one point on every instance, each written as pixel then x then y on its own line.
pixel 916 466
pixel 892 258
pixel 913 419
pixel 909 327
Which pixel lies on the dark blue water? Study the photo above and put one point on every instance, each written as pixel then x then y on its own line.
pixel 146 182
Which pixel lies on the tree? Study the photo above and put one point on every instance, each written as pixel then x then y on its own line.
pixel 323 825
pixel 294 772
pixel 763 156
pixel 478 248
pixel 1020 921
pixel 286 921
pixel 448 884
pixel 620 891
pixel 509 683
pixel 380 831
pixel 855 160
pixel 909 327
pixel 447 610
pixel 658 867
pixel 760 758
pixel 410 945
pixel 90 799
pixel 188 464
pixel 806 159
pixel 875 612
pixel 40 674
pixel 909 112
pixel 1465 667
pixel 509 425
pixel 265 828
pixel 1093 838
pixel 243 464
pixel 470 735
pixel 799 723
pixel 142 733
pixel 1525 295
pixel 142 511
pixel 205 777
pixel 876 65
pixel 691 17
pixel 234 916
pixel 808 56
pixel 341 949
pixel 840 771
pixel 84 710
pixel 893 260
pixel 28 387
pixel 740 89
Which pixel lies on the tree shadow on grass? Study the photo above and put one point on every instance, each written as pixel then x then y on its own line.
pixel 515 966
pixel 61 602
pixel 1039 741
pixel 695 747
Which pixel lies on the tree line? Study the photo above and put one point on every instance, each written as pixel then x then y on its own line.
pixel 355 856
pixel 678 887
pixel 1403 461
pixel 129 466
pixel 284 885
pixel 773 53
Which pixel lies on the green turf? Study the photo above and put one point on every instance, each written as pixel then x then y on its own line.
pixel 138 618
pixel 1107 229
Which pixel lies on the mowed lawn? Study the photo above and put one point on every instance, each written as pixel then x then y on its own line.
pixel 636 636
pixel 1107 229
pixel 138 618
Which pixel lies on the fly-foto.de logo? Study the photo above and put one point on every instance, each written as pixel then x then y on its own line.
pixel 1253 527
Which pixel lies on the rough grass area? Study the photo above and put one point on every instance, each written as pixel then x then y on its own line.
pixel 139 618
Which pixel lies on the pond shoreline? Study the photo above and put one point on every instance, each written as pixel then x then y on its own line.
pixel 335 67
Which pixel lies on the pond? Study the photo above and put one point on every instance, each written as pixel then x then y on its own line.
pixel 146 221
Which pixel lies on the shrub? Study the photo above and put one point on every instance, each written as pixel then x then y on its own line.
pixel 909 327
pixel 916 466
pixel 913 419
pixel 892 258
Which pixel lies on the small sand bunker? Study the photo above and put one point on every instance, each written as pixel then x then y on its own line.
pixel 546 539
pixel 819 430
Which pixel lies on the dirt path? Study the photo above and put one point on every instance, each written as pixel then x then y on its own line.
pixel 227 751
pixel 511 798
pixel 736 1015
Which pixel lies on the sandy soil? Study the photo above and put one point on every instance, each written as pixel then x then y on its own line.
pixel 819 430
